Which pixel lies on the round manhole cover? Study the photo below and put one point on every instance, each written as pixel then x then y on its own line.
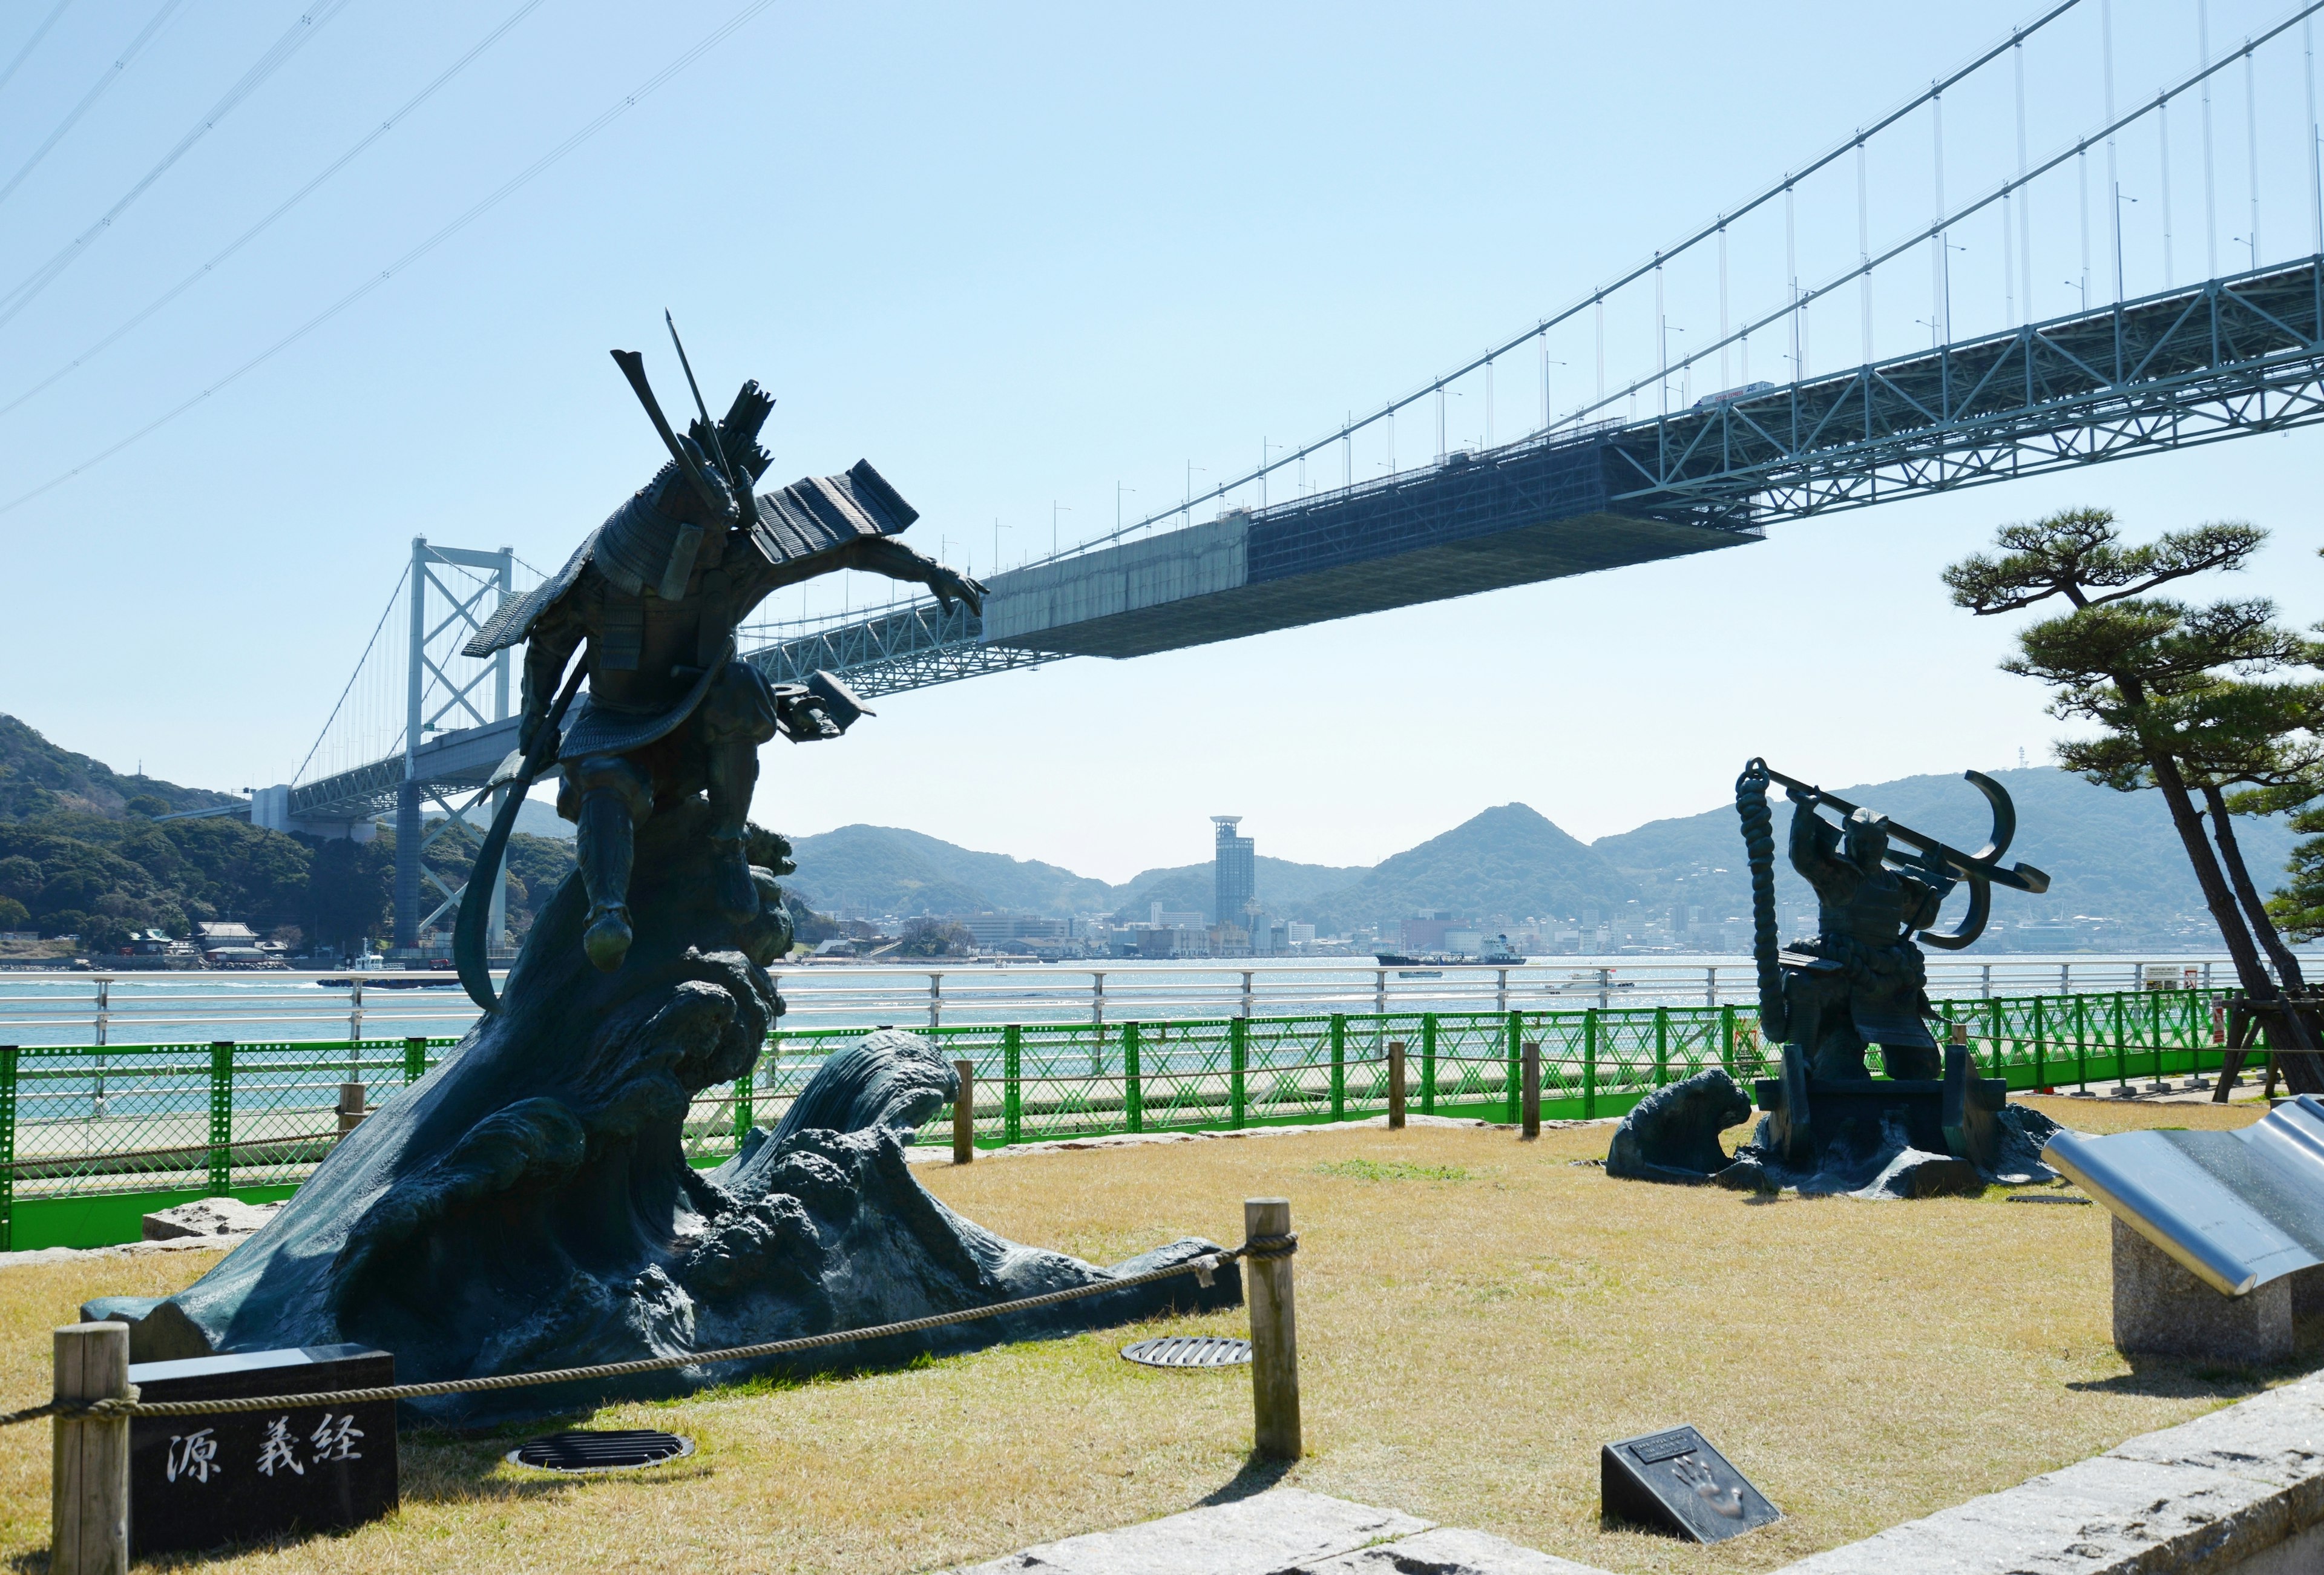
pixel 622 1450
pixel 1188 1350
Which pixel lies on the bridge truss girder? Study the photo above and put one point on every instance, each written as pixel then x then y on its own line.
pixel 2172 371
pixel 914 647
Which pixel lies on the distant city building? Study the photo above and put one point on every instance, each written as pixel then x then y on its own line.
pixel 1425 932
pixel 1165 918
pixel 1298 934
pixel 1234 873
pixel 1171 942
pixel 998 929
pixel 225 936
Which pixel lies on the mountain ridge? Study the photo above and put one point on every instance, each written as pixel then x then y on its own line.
pixel 2115 859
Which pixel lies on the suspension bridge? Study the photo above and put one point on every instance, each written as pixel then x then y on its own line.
pixel 1624 465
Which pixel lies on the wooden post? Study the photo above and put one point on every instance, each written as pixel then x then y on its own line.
pixel 1395 1085
pixel 1273 1334
pixel 964 1113
pixel 88 1477
pixel 1532 1112
pixel 351 1107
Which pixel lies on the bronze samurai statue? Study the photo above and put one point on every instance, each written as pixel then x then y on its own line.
pixel 655 595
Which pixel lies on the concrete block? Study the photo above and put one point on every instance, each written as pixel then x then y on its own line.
pixel 2160 1309
pixel 208 1217
pixel 2103 1516
pixel 1283 1529
pixel 1446 1550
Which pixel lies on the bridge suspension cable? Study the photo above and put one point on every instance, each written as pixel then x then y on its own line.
pixel 33 43
pixel 1946 218
pixel 111 75
pixel 1596 298
pixel 209 266
pixel 369 645
pixel 485 205
pixel 296 37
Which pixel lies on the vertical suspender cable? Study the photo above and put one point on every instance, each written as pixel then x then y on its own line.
pixel 1601 349
pixel 1863 253
pixel 1941 331
pixel 2025 197
pixel 2080 175
pixel 1662 339
pixel 2114 173
pixel 2211 193
pixel 2163 119
pixel 2008 258
pixel 2251 136
pixel 2315 174
pixel 1724 381
pixel 1792 274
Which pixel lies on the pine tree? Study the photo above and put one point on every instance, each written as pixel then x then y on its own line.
pixel 2129 662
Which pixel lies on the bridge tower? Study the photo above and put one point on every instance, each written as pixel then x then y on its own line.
pixel 444 615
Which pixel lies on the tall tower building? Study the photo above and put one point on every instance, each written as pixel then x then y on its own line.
pixel 1234 873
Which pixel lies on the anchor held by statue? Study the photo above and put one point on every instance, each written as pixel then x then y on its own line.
pixel 1939 860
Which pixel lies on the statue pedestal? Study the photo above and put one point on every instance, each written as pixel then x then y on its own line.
pixel 1956 1115
pixel 2161 1309
pixel 529 1204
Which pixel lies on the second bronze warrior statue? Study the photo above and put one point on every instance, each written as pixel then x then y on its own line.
pixel 655 594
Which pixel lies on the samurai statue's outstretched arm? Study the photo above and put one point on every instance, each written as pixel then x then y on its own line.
pixel 884 554
pixel 879 555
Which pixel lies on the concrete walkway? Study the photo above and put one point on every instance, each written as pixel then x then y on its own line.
pixel 2238 1492
pixel 1285 1531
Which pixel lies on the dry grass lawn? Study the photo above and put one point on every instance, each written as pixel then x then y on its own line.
pixel 1476 1316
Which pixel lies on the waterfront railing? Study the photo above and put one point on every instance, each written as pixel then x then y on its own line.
pixel 97 1008
pixel 94 1137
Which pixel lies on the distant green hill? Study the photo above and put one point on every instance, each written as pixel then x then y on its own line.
pixel 1508 860
pixel 80 850
pixel 37 777
pixel 2112 856
pixel 84 851
pixel 885 870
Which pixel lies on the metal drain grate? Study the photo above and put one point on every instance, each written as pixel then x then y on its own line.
pixel 1188 1350
pixel 622 1449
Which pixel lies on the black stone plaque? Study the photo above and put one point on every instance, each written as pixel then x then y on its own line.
pixel 197 1481
pixel 1674 1483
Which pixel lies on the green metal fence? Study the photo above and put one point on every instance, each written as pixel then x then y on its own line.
pixel 91 1138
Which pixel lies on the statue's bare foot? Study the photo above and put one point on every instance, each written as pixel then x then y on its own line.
pixel 738 893
pixel 607 939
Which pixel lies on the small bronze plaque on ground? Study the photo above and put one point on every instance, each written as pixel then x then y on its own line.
pixel 1674 1483
pixel 199 1482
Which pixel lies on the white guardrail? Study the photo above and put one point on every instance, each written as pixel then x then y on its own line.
pixel 141 1008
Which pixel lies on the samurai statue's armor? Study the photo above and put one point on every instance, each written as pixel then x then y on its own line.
pixel 1861 981
pixel 653 598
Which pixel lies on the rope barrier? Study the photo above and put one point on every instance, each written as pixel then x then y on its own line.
pixel 1258 1249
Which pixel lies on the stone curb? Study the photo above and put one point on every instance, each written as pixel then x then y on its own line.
pixel 2238 1492
pixel 1284 1531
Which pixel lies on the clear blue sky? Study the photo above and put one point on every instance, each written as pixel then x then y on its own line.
pixel 1014 255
